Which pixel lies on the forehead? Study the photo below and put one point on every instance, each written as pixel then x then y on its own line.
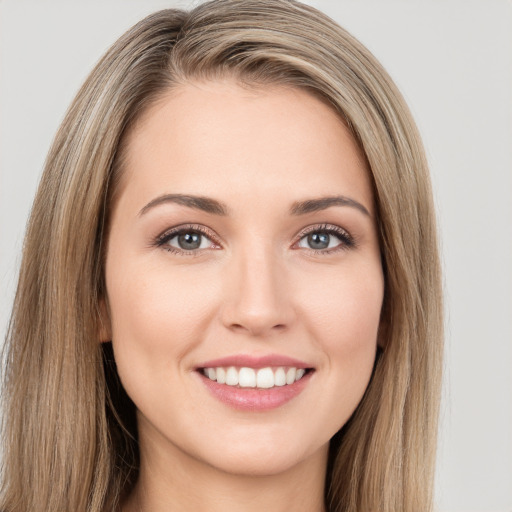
pixel 218 138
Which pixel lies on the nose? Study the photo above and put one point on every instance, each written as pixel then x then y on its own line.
pixel 258 296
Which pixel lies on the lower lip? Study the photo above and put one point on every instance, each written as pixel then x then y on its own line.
pixel 254 399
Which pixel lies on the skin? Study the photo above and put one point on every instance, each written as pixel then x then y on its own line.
pixel 255 286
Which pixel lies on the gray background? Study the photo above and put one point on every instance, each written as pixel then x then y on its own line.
pixel 453 62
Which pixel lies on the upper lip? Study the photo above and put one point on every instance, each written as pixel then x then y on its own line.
pixel 250 361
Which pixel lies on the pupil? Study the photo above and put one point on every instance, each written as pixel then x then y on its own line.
pixel 318 240
pixel 189 241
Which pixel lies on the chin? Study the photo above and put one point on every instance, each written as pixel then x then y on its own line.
pixel 269 462
pixel 262 453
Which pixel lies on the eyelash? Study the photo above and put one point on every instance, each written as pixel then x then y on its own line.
pixel 163 239
pixel 347 241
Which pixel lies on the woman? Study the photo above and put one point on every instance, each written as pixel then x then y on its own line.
pixel 230 291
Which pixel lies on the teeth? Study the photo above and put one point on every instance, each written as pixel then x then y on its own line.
pixel 247 378
pixel 280 377
pixel 290 375
pixel 263 378
pixel 232 377
pixel 221 376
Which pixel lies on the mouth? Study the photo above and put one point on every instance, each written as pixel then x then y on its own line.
pixel 261 378
pixel 251 383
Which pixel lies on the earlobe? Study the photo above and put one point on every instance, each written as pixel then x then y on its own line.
pixel 104 324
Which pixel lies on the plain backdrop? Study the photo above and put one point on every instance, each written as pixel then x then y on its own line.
pixel 452 59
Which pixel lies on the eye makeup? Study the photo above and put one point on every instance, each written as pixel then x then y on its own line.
pixel 346 240
pixel 183 230
pixel 192 239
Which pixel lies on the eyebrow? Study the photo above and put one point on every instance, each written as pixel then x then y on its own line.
pixel 322 203
pixel 209 205
pixel 205 204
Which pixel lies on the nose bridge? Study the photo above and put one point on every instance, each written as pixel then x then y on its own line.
pixel 258 299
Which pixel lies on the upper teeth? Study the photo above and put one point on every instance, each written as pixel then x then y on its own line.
pixel 251 378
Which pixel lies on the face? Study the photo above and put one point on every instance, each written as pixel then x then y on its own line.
pixel 244 280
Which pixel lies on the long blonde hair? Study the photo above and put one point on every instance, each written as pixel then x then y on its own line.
pixel 70 441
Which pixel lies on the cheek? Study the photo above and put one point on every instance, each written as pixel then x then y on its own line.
pixel 342 305
pixel 156 314
pixel 342 314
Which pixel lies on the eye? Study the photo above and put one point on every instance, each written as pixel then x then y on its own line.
pixel 325 239
pixel 189 241
pixel 186 240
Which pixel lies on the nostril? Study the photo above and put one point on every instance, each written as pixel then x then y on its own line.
pixel 257 329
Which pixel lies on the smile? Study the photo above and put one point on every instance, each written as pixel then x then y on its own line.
pixel 255 383
pixel 262 378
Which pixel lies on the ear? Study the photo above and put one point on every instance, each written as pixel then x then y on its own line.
pixel 104 324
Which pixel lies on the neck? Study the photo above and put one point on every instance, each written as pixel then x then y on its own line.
pixel 182 483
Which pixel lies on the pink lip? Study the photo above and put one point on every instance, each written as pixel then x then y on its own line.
pixel 241 360
pixel 252 399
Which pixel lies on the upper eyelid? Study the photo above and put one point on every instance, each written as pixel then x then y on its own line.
pixel 174 231
pixel 204 229
pixel 322 227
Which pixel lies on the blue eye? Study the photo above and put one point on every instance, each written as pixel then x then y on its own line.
pixel 325 239
pixel 185 240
